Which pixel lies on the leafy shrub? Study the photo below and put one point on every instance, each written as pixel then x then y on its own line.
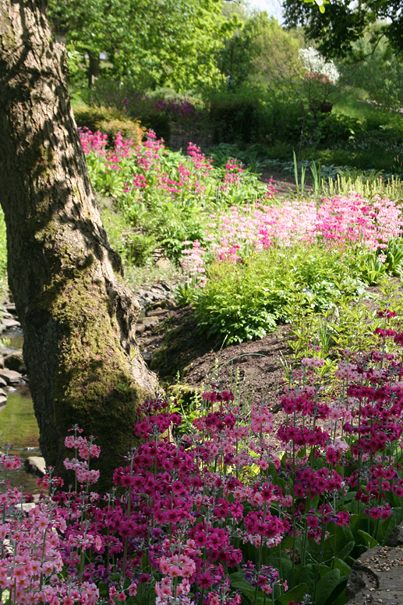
pixel 247 300
pixel 235 118
pixel 347 325
pixel 251 117
pixel 109 120
pixel 337 129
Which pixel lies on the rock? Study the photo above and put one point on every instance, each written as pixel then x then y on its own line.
pixel 396 539
pixel 10 376
pixel 163 263
pixel 10 307
pixel 26 506
pixel 3 383
pixel 149 322
pixel 9 322
pixel 147 356
pixel 157 312
pixel 15 361
pixel 377 577
pixel 36 465
pixel 166 286
pixel 140 327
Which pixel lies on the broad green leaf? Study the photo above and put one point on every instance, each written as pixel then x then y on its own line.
pixel 367 539
pixel 295 594
pixel 327 585
pixel 344 567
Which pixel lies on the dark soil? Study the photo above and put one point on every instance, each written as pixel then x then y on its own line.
pixel 173 347
pixel 254 369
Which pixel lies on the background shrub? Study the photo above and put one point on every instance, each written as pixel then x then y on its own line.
pixel 110 120
pixel 243 301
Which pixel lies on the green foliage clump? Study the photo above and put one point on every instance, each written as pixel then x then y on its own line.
pixel 109 120
pixel 261 53
pixel 337 27
pixel 375 71
pixel 347 325
pixel 247 300
pixel 147 44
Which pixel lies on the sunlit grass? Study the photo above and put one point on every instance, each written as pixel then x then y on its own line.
pixel 18 426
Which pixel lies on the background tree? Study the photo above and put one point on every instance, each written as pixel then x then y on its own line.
pixel 375 72
pixel 77 316
pixel 343 22
pixel 146 43
pixel 261 53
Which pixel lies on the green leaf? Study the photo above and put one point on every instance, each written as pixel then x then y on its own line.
pixel 368 540
pixel 326 585
pixel 344 568
pixel 295 594
pixel 247 590
pixel 345 550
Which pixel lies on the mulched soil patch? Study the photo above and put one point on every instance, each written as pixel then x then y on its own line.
pixel 254 369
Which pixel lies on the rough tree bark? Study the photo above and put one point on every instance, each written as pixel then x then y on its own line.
pixel 77 316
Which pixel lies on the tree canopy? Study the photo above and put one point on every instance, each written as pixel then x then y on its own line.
pixel 159 43
pixel 343 22
pixel 261 52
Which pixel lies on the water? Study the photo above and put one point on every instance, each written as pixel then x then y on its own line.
pixel 18 427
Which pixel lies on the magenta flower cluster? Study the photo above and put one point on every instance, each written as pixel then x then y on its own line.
pixel 193 510
pixel 148 173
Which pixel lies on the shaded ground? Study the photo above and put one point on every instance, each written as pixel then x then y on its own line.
pixel 377 575
pixel 171 344
pixel 254 369
pixel 283 181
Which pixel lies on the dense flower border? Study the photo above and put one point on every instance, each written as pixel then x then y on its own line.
pixel 234 510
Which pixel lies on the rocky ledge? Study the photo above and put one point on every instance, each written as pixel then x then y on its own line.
pixel 377 576
pixel 12 366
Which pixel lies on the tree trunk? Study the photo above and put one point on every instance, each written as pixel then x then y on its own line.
pixel 78 317
pixel 93 69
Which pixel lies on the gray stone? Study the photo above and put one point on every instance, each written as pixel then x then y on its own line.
pixel 10 307
pixel 150 322
pixel 166 286
pixel 25 507
pixel 377 577
pixel 147 356
pixel 9 322
pixel 3 383
pixel 10 376
pixel 140 327
pixel 15 361
pixel 36 465
pixel 157 312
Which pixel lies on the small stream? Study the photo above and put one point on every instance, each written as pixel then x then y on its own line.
pixel 18 427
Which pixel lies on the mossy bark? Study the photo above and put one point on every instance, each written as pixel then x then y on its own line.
pixel 78 317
